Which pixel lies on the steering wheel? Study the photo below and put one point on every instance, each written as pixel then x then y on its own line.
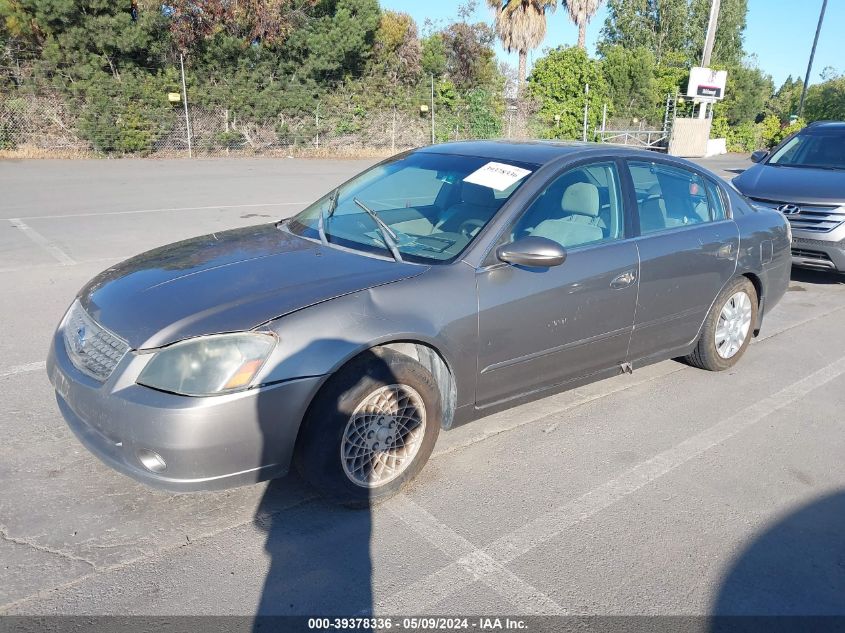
pixel 469 228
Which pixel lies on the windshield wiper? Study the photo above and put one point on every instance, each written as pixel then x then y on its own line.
pixel 387 233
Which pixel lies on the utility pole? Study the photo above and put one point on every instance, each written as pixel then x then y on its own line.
pixel 710 40
pixel 812 55
pixel 185 101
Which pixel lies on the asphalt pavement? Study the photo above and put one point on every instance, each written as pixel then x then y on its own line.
pixel 668 491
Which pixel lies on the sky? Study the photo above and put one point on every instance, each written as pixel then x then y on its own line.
pixel 779 32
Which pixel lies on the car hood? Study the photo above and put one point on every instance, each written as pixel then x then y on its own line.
pixel 225 282
pixel 793 184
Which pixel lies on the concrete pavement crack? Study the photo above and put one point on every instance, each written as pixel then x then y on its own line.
pixel 4 535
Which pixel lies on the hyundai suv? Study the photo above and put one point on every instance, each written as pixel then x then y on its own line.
pixel 804 178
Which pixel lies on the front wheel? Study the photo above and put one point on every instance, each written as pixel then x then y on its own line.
pixel 371 428
pixel 727 330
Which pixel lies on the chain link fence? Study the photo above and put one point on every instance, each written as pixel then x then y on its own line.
pixel 48 124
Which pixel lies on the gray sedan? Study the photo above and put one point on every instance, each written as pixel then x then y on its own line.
pixel 437 287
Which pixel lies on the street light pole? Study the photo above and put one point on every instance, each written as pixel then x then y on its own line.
pixel 812 55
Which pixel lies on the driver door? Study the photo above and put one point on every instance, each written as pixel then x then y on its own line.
pixel 541 327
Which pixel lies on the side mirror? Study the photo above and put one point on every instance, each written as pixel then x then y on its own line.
pixel 536 252
pixel 759 155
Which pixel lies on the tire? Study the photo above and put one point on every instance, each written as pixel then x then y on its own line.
pixel 714 357
pixel 361 397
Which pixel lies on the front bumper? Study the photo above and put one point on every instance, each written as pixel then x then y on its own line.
pixel 206 443
pixel 808 251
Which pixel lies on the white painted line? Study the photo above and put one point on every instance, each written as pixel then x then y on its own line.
pixel 14 370
pixel 60 256
pixel 473 564
pixel 98 260
pixel 431 589
pixel 162 210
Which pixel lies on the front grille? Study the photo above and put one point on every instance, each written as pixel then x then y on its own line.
pixel 92 349
pixel 811 217
pixel 800 252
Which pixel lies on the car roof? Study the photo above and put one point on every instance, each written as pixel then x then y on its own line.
pixel 537 152
pixel 544 152
pixel 825 126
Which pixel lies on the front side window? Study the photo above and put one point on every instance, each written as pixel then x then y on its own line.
pixel 582 206
pixel 812 150
pixel 434 204
pixel 670 197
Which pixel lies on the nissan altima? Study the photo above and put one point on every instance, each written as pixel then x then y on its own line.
pixel 437 287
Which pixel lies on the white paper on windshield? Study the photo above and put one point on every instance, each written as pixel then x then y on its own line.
pixel 497 176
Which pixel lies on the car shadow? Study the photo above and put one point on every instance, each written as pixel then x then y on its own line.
pixel 796 567
pixel 810 276
pixel 319 551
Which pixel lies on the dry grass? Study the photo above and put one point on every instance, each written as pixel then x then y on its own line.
pixel 31 152
pixel 36 153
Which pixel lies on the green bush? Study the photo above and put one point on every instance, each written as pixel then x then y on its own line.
pixel 743 138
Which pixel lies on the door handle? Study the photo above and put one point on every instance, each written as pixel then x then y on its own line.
pixel 623 280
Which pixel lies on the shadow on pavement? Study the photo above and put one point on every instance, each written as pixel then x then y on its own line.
pixel 810 276
pixel 319 552
pixel 795 568
pixel 319 558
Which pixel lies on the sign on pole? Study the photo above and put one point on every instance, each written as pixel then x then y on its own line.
pixel 706 85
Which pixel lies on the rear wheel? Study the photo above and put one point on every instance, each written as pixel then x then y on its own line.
pixel 727 330
pixel 371 429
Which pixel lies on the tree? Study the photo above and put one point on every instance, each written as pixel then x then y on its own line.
pixel 826 101
pixel 521 25
pixel 581 12
pixel 557 82
pixel 254 21
pixel 337 40
pixel 397 51
pixel 746 94
pixel 784 103
pixel 632 87
pixel 661 27
pixel 434 55
pixel 470 59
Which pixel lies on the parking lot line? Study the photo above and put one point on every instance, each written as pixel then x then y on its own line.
pixel 91 214
pixel 474 563
pixel 22 369
pixel 57 253
pixel 553 523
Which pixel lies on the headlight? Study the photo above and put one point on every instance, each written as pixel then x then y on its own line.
pixel 210 365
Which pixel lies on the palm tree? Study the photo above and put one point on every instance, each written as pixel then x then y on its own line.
pixel 581 12
pixel 521 25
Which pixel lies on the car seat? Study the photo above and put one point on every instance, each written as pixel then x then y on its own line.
pixel 581 223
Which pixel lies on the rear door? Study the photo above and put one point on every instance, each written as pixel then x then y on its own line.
pixel 687 250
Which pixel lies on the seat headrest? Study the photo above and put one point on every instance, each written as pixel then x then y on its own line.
pixel 581 198
pixel 478 195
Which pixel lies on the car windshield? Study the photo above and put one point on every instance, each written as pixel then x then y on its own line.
pixel 818 150
pixel 431 206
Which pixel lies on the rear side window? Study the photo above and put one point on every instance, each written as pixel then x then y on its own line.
pixel 717 201
pixel 670 197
